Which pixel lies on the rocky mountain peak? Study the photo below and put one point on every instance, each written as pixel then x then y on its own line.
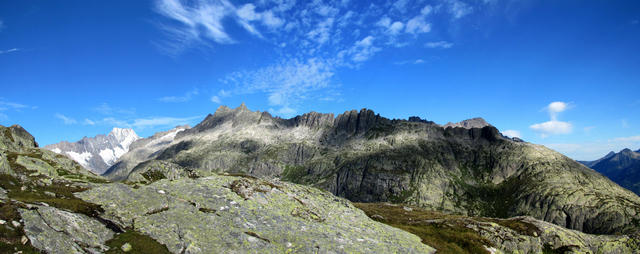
pixel 16 137
pixel 476 122
pixel 97 153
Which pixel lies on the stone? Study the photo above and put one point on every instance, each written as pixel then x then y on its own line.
pixel 57 231
pixel 126 247
pixel 282 223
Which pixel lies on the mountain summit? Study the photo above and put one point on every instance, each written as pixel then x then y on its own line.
pixel 622 167
pixel 467 168
pixel 97 154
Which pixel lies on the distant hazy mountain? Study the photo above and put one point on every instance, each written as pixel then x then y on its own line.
pixel 623 168
pixel 100 152
pixel 592 163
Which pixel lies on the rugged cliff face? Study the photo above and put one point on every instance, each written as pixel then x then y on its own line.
pixel 368 158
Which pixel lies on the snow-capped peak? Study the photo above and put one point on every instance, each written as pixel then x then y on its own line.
pixel 124 136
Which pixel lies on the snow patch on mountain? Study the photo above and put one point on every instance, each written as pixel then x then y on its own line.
pixel 82 158
pixel 100 152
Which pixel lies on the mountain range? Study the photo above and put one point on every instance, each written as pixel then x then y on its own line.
pixel 244 180
pixel 365 157
pixel 100 152
pixel 622 167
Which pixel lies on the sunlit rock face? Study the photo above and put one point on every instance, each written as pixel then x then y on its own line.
pixel 365 157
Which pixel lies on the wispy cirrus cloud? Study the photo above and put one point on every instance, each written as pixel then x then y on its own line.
pixel 14 107
pixel 9 51
pixel 439 44
pixel 184 98
pixel 285 84
pixel 65 119
pixel 335 34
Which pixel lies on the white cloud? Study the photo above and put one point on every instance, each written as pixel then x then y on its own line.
pixel 401 5
pixel 142 123
pixel 384 22
pixel 417 61
pixel 458 9
pixel 364 49
pixel 322 31
pixel 9 51
pixel 65 119
pixel 284 111
pixel 439 44
pixel 285 84
pixel 184 98
pixel 13 105
pixel 556 108
pixel 221 94
pixel 89 122
pixel 553 127
pixel 512 133
pixel 418 25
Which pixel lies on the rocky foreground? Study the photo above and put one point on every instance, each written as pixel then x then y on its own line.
pixel 49 203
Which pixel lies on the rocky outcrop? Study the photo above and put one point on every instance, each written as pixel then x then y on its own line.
pixel 476 122
pixel 245 215
pixel 57 231
pixel 368 158
pixel 97 154
pixel 461 234
pixel 16 138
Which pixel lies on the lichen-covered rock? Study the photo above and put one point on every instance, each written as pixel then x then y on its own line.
pixel 3 194
pixel 57 231
pixel 242 214
pixel 16 138
pixel 550 237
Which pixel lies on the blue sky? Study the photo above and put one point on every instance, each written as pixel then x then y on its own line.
pixel 560 73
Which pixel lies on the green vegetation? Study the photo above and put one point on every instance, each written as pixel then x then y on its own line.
pixel 294 173
pixel 11 237
pixel 153 175
pixel 445 237
pixel 141 244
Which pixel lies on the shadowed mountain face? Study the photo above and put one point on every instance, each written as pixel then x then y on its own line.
pixel 622 168
pixel 365 157
pixel 97 154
